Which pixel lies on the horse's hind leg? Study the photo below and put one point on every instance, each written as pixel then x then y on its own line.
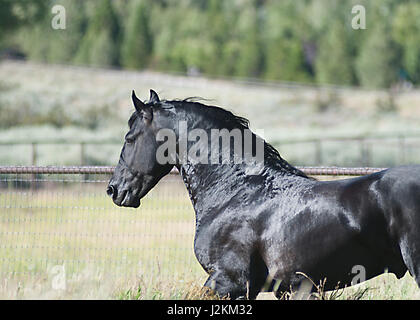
pixel 258 275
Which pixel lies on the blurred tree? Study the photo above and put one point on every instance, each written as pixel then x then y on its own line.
pixel 42 42
pixel 376 65
pixel 184 46
pixel 63 44
pixel 17 13
pixel 334 63
pixel 101 44
pixel 284 61
pixel 217 33
pixel 138 42
pixel 406 32
pixel 283 42
pixel 249 59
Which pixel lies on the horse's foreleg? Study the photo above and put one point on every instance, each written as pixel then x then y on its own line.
pixel 230 263
pixel 230 275
pixel 227 285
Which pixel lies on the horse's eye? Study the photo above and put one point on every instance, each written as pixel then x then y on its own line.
pixel 129 140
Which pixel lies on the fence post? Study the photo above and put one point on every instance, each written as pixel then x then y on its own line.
pixel 34 155
pixel 82 153
pixel 33 160
pixel 318 152
pixel 364 152
pixel 401 144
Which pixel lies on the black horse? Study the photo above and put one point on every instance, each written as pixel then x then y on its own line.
pixel 274 222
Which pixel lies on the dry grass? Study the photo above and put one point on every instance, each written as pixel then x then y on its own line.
pixel 102 247
pixel 101 96
pixel 383 287
pixel 118 253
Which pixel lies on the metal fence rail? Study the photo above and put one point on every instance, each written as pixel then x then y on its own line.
pixel 61 236
pixel 312 171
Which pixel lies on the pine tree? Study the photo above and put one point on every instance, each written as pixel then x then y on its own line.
pixel 376 65
pixel 406 32
pixel 137 44
pixel 334 63
pixel 250 58
pixel 100 45
pixel 63 44
pixel 285 61
pixel 17 13
pixel 283 42
pixel 216 34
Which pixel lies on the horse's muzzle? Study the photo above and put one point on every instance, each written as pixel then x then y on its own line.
pixel 124 198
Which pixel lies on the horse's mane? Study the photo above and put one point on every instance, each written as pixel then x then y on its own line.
pixel 232 121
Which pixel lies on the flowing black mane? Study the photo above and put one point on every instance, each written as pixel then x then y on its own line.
pixel 231 121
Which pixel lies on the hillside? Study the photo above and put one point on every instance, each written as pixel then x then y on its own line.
pixel 40 102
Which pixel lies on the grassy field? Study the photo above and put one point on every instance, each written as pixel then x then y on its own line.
pixel 64 227
pixel 39 102
pixel 103 249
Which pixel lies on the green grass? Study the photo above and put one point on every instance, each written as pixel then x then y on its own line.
pixel 78 226
pixel 110 252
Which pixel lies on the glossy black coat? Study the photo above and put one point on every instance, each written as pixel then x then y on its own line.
pixel 277 223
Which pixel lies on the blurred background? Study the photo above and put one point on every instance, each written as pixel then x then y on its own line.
pixel 322 92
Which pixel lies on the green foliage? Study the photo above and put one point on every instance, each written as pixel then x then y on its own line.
pixel 249 55
pixel 284 60
pixel 138 43
pixel 63 44
pixel 17 13
pixel 288 40
pixel 101 43
pixel 284 56
pixel 406 32
pixel 334 61
pixel 376 65
pixel 218 33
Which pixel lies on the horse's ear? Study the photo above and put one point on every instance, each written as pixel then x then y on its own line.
pixel 141 108
pixel 154 98
pixel 138 104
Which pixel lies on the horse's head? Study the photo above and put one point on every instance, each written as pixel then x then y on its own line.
pixel 138 170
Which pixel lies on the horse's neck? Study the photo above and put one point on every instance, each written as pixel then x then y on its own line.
pixel 212 186
pixel 206 183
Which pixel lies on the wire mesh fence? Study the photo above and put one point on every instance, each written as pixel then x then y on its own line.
pixel 56 228
pixel 61 236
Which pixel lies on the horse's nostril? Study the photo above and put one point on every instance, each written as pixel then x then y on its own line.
pixel 110 190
